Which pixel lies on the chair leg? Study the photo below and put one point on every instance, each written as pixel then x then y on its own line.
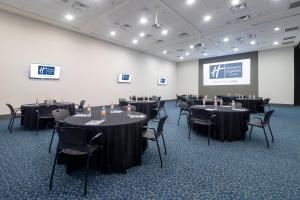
pixel 271 133
pixel 179 117
pixel 12 122
pixel 163 139
pixel 191 126
pixel 52 172
pixel 250 132
pixel 37 126
pixel 51 139
pixel 159 114
pixel 165 111
pixel 161 164
pixel 208 134
pixel 86 174
pixel 266 137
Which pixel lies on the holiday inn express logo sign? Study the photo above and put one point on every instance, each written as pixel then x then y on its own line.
pixel 224 71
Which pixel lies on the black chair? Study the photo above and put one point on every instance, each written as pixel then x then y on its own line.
pixel 153 135
pixel 154 98
pixel 122 102
pixel 59 116
pixel 14 112
pixel 184 110
pixel 133 98
pixel 160 107
pixel 80 106
pixel 124 108
pixel 266 102
pixel 73 141
pixel 262 123
pixel 178 99
pixel 201 117
pixel 44 112
pixel 140 98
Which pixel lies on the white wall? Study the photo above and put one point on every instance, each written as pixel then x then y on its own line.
pixel 187 77
pixel 90 67
pixel 276 75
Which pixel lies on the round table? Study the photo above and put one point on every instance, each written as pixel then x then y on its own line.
pixel 252 104
pixel 121 140
pixel 145 107
pixel 28 119
pixel 231 124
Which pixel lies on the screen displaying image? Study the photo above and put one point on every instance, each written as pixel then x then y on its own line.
pixel 162 81
pixel 44 71
pixel 235 72
pixel 125 78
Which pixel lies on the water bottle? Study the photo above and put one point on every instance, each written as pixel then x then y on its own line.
pixel 62 100
pixel 254 96
pixel 128 108
pixel 221 102
pixel 233 104
pixel 36 101
pixel 112 107
pixel 103 113
pixel 89 111
pixel 203 102
pixel 205 97
pixel 215 103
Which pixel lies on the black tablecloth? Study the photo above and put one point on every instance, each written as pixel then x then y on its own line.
pixel 144 107
pixel 121 140
pixel 231 124
pixel 28 119
pixel 252 104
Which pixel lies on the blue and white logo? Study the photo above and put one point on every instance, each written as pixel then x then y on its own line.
pixel 46 70
pixel 223 71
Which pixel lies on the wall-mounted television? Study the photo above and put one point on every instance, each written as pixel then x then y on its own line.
pixel 162 81
pixel 125 78
pixel 44 71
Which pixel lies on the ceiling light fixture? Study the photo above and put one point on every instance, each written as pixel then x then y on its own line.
pixel 143 20
pixel 205 54
pixel 142 34
pixel 226 39
pixel 135 41
pixel 207 18
pixel 235 2
pixel 69 17
pixel 277 29
pixel 191 46
pixel 236 49
pixel 187 53
pixel 253 42
pixel 181 57
pixel 190 2
pixel 275 43
pixel 165 52
pixel 164 32
pixel 112 33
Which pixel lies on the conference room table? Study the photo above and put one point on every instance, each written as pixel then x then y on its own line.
pixel 121 140
pixel 253 104
pixel 144 106
pixel 230 123
pixel 29 115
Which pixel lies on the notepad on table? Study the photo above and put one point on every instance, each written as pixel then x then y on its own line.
pixel 136 116
pixel 81 115
pixel 94 122
pixel 116 111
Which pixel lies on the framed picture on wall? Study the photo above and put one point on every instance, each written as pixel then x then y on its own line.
pixel 162 81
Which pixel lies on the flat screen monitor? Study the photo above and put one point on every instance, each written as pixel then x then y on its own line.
pixel 236 72
pixel 162 81
pixel 44 71
pixel 125 78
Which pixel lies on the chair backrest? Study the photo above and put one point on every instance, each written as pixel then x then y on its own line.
pixel 154 98
pixel 133 97
pixel 200 114
pixel 184 105
pixel 46 109
pixel 81 104
pixel 140 98
pixel 60 114
pixel 268 116
pixel 11 108
pixel 124 108
pixel 72 138
pixel 122 102
pixel 161 104
pixel 266 101
pixel 160 126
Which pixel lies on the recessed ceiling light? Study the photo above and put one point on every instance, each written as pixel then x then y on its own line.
pixel 164 32
pixel 187 53
pixel 236 49
pixel 235 2
pixel 207 18
pixel 181 57
pixel 253 42
pixel 165 52
pixel 69 17
pixel 276 43
pixel 226 39
pixel 142 34
pixel 277 29
pixel 191 46
pixel 135 41
pixel 190 2
pixel 143 20
pixel 113 33
pixel 205 54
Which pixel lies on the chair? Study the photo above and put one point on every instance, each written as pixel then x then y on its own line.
pixel 184 110
pixel 262 123
pixel 154 98
pixel 59 116
pixel 14 112
pixel 124 108
pixel 122 102
pixel 80 106
pixel 237 105
pixel 44 112
pixel 73 141
pixel 266 102
pixel 201 117
pixel 178 99
pixel 160 106
pixel 153 135
pixel 133 97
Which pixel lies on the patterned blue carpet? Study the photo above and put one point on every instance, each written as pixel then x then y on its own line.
pixel 192 169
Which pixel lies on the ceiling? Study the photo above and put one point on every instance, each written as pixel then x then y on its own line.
pixel 247 21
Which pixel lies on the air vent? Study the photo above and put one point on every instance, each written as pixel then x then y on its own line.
pixel 294 4
pixel 183 35
pixel 296 28
pixel 237 8
pixel 149 36
pixel 125 27
pixel 243 18
pixel 180 50
pixel 289 38
pixel 286 43
pixel 159 41
pixel 198 45
pixel 80 6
